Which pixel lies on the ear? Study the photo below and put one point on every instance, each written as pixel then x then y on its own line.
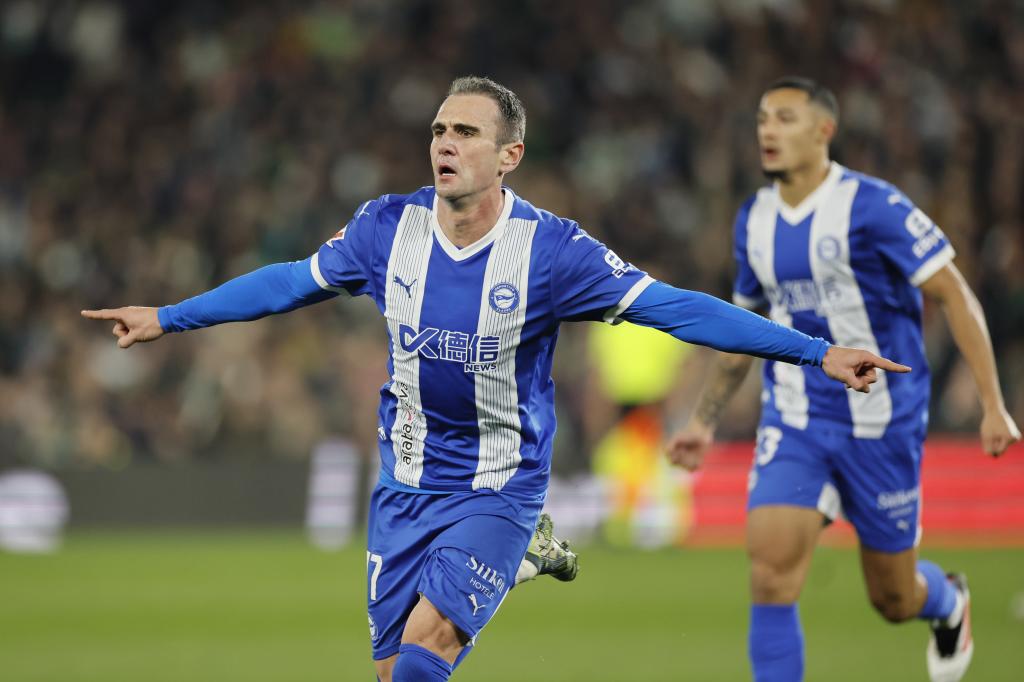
pixel 510 156
pixel 827 129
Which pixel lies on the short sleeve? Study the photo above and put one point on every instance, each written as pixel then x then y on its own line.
pixel 906 237
pixel 746 291
pixel 344 262
pixel 590 282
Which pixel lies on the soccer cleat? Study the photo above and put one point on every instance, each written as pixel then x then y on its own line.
pixel 546 555
pixel 951 646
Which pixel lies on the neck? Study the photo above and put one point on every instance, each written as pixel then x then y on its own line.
pixel 800 182
pixel 466 219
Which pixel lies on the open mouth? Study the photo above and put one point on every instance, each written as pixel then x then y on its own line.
pixel 445 171
pixel 769 153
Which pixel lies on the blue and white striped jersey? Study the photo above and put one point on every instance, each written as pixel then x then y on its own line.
pixel 472 331
pixel 843 265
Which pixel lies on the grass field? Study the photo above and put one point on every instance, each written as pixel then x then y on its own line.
pixel 265 606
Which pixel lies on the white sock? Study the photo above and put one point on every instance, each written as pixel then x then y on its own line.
pixel 527 571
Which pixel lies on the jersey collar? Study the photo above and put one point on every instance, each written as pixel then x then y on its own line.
pixel 797 214
pixel 457 254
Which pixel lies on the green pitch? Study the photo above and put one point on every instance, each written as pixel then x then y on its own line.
pixel 264 606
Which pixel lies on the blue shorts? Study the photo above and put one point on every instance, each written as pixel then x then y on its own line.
pixel 874 483
pixel 460 550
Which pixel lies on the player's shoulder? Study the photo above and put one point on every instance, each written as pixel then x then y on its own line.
pixel 762 194
pixel 551 228
pixel 766 193
pixel 387 209
pixel 874 193
pixel 524 210
pixel 424 197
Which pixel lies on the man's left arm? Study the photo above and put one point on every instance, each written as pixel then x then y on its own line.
pixel 970 332
pixel 699 318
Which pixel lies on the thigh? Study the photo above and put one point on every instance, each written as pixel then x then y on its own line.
pixel 879 482
pixel 472 565
pixel 399 533
pixel 780 544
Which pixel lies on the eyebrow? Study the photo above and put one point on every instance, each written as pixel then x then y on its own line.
pixel 438 126
pixel 781 110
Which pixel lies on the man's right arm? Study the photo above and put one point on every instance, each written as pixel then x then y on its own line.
pixel 341 264
pixel 727 374
pixel 687 447
pixel 272 289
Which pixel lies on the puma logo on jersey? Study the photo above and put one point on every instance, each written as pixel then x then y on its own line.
pixel 407 287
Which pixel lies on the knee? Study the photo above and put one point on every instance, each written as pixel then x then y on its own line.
pixel 894 606
pixel 773 582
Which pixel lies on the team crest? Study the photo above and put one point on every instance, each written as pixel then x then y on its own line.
pixel 828 248
pixel 504 298
pixel 373 628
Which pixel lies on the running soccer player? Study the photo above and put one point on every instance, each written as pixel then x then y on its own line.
pixel 473 282
pixel 841 255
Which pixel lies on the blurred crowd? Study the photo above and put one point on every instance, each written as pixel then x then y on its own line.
pixel 150 150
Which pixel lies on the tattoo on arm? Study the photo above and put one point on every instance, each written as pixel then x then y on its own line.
pixel 726 378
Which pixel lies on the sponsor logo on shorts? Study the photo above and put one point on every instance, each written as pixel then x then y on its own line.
pixel 898 498
pixel 486 575
pixel 482 588
pixel 899 503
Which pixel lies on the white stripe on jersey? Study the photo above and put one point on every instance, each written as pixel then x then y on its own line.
pixel 790 390
pixel 497 392
pixel 843 305
pixel 410 256
pixel 611 316
pixel 314 267
pixel 933 265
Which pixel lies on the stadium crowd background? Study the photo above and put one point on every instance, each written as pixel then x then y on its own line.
pixel 149 151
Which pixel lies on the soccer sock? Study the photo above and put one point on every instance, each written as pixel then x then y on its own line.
pixel 776 643
pixel 416 664
pixel 942 594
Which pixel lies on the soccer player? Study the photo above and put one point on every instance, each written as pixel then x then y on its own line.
pixel 472 282
pixel 844 256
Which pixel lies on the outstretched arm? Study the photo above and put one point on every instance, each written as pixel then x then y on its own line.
pixel 699 318
pixel 703 319
pixel 970 332
pixel 273 289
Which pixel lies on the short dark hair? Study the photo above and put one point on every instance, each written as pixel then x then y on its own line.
pixel 816 92
pixel 513 115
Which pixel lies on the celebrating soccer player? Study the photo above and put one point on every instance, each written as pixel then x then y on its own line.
pixel 473 282
pixel 841 255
